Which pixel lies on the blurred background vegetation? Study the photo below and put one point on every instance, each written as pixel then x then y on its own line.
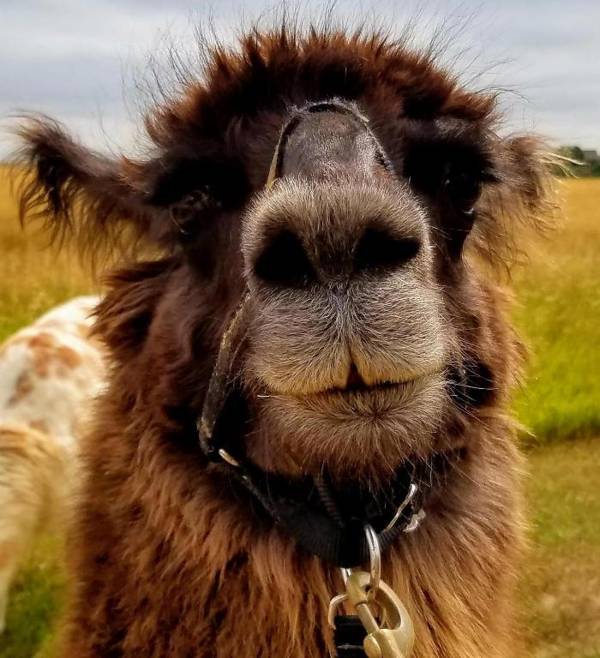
pixel 580 162
pixel 558 312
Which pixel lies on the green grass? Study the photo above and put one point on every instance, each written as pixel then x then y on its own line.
pixel 560 589
pixel 559 312
pixel 36 596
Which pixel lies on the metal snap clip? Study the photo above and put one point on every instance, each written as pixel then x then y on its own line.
pixel 392 636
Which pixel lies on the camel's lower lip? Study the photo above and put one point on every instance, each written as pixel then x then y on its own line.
pixel 387 403
pixel 382 395
pixel 361 392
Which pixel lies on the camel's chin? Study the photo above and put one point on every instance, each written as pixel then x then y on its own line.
pixel 352 432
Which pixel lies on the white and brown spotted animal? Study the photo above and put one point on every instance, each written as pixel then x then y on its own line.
pixel 49 372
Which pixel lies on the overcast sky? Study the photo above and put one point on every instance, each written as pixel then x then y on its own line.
pixel 78 60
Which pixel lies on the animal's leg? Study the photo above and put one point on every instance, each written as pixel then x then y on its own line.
pixel 9 556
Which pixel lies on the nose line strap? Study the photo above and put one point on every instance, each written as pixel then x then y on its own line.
pixel 314 108
pixel 221 379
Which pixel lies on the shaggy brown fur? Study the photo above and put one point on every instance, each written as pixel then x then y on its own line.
pixel 170 558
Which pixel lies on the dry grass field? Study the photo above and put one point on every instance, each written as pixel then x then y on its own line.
pixel 32 278
pixel 558 311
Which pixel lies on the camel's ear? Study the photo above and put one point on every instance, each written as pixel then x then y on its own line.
pixel 80 193
pixel 107 202
pixel 523 199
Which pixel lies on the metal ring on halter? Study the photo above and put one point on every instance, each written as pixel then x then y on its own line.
pixel 412 490
pixel 374 559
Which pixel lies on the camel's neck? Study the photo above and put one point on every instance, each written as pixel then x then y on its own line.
pixel 170 561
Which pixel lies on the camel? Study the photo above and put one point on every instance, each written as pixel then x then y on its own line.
pixel 311 371
pixel 50 371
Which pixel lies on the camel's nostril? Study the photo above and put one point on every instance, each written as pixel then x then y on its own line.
pixel 283 261
pixel 378 250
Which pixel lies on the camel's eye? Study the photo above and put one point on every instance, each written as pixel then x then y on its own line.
pixel 462 189
pixel 448 173
pixel 193 188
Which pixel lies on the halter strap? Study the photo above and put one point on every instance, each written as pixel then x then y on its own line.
pixel 334 105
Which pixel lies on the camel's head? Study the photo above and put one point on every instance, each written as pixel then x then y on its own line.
pixel 349 344
pixel 355 191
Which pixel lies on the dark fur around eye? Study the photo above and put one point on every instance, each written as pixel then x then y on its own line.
pixel 202 183
pixel 462 188
pixel 455 171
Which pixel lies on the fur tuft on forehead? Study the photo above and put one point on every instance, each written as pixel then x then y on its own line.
pixel 293 65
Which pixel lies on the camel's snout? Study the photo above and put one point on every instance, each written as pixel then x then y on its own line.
pixel 339 260
pixel 334 208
